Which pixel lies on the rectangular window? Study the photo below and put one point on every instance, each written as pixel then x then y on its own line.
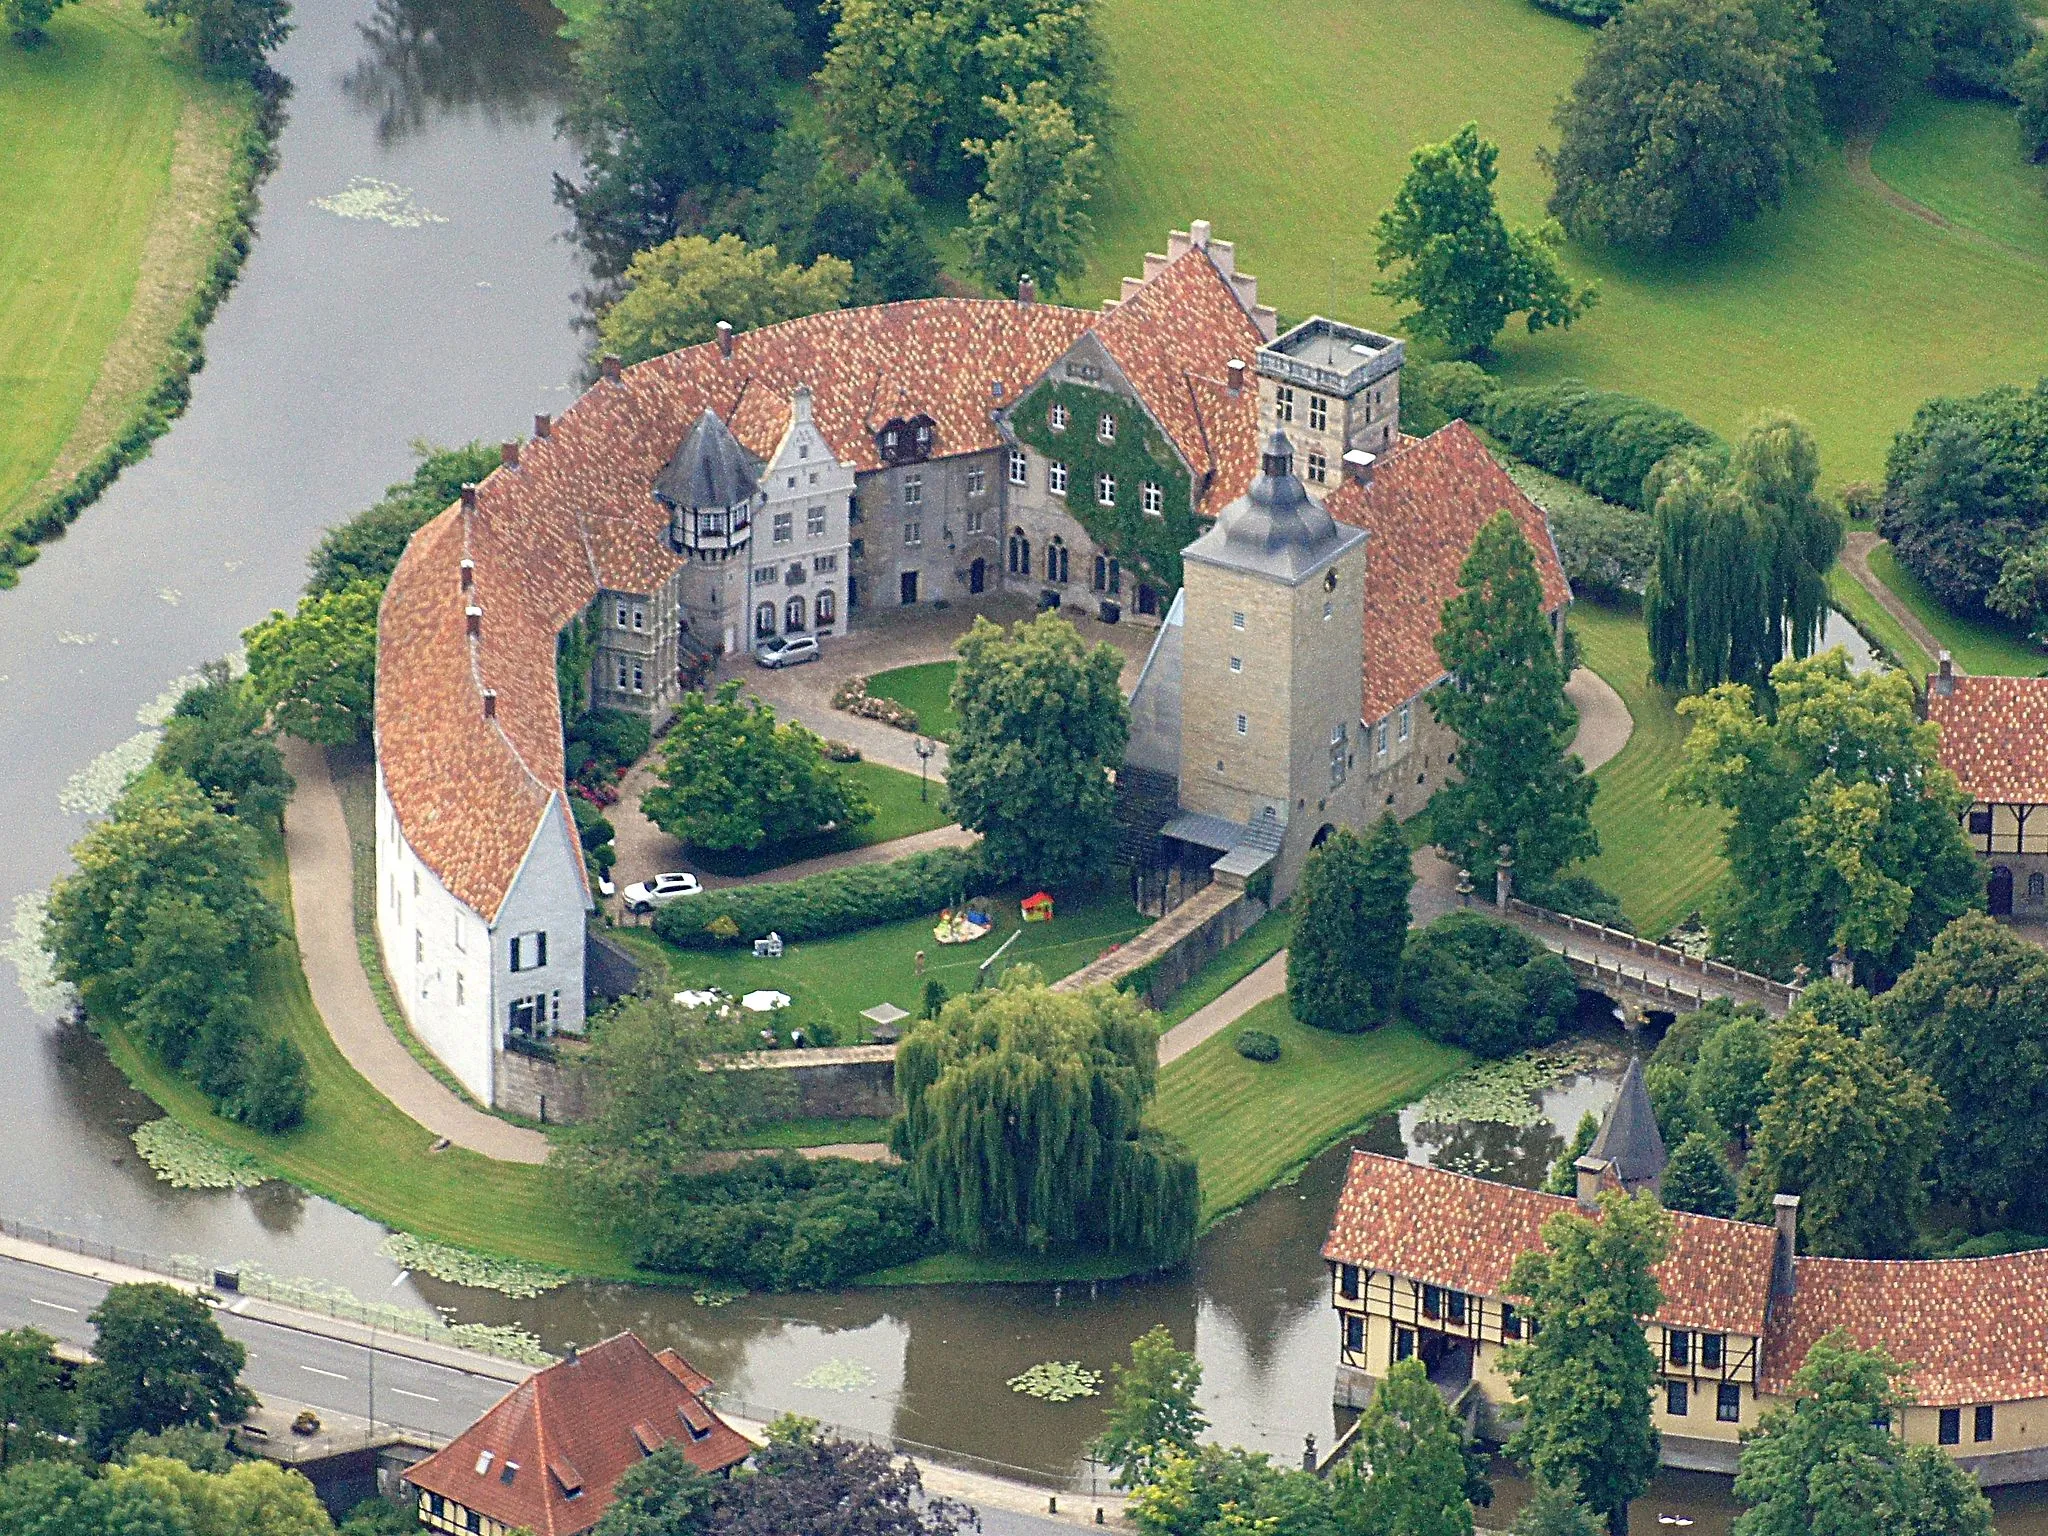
pixel 1347 1282
pixel 1454 1307
pixel 529 951
pixel 1020 468
pixel 1510 1321
pixel 1318 468
pixel 1244 726
pixel 1674 1398
pixel 1106 428
pixel 1056 418
pixel 1712 1347
pixel 1283 404
pixel 1984 1426
pixel 1354 1334
pixel 977 479
pixel 913 490
pixel 1237 663
pixel 784 527
pixel 526 1015
pixel 1678 1345
pixel 1056 478
pixel 639 678
pixel 1152 496
pixel 1105 490
pixel 1380 738
pixel 1980 822
pixel 763 576
pixel 1728 1403
pixel 976 520
pixel 1318 414
pixel 1432 1296
pixel 1237 621
pixel 461 991
pixel 824 565
pixel 856 549
pixel 639 617
pixel 1951 1432
pixel 1404 720
pixel 622 615
pixel 814 522
pixel 913 533
pixel 1340 753
pixel 1404 1343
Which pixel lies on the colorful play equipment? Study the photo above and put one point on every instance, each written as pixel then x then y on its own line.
pixel 961 926
pixel 1037 908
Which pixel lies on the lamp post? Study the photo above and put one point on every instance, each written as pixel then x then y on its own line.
pixel 926 750
pixel 397 1280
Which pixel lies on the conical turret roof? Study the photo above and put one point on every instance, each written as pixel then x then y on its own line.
pixel 1275 527
pixel 1629 1138
pixel 710 469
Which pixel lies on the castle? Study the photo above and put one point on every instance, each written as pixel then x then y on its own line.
pixel 1171 459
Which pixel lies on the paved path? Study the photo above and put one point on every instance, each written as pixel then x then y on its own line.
pixel 1856 550
pixel 1605 724
pixel 322 870
pixel 1268 981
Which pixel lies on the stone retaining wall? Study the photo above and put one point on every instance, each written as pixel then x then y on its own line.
pixel 1175 947
pixel 553 1092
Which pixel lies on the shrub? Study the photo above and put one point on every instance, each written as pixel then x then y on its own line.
pixel 1600 439
pixel 1258 1045
pixel 1976 44
pixel 841 751
pixel 1606 549
pixel 1434 394
pixel 601 743
pixel 1580 896
pixel 1473 981
pixel 818 906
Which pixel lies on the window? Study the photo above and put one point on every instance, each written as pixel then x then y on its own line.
pixel 1984 1425
pixel 793 614
pixel 1980 822
pixel 1675 1394
pixel 1712 1347
pixel 1056 478
pixel 1404 1343
pixel 814 522
pixel 1728 1403
pixel 1354 1334
pixel 461 990
pixel 977 479
pixel 1380 739
pixel 1109 575
pixel 1244 726
pixel 621 671
pixel 913 533
pixel 529 951
pixel 1510 1321
pixel 1318 414
pixel 827 609
pixel 1347 1282
pixel 1020 468
pixel 622 615
pixel 976 519
pixel 764 619
pixel 1152 496
pixel 1056 418
pixel 1432 1296
pixel 1951 1432
pixel 639 678
pixel 1340 753
pixel 824 565
pixel 1405 708
pixel 1237 663
pixel 913 490
pixel 1678 1345
pixel 1454 1306
pixel 1237 621
pixel 639 617
pixel 1283 404
pixel 1056 561
pixel 856 549
pixel 784 531
pixel 2037 887
pixel 764 576
pixel 1105 490
pixel 527 1016
pixel 1318 468
pixel 1020 553
pixel 1106 428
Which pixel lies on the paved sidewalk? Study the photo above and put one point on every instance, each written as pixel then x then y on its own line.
pixel 1605 724
pixel 1856 550
pixel 1268 981
pixel 323 909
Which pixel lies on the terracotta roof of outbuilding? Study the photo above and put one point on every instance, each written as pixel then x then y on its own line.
pixel 1425 506
pixel 1994 737
pixel 1464 1233
pixel 560 1440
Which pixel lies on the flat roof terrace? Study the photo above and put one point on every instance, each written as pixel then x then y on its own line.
pixel 1330 356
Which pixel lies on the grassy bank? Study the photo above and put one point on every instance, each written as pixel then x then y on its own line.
pixel 1990 649
pixel 1849 594
pixel 926 688
pixel 126 203
pixel 1659 857
pixel 900 811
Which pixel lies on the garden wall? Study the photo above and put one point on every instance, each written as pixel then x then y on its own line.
pixel 1162 959
pixel 553 1092
pixel 833 1083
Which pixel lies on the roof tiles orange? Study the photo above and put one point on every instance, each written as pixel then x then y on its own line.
pixel 1994 737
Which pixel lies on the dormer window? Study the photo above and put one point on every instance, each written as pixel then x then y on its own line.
pixel 1106 428
pixel 889 438
pixel 906 441
pixel 1056 418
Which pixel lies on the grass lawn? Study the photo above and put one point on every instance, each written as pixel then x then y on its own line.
pixel 1258 944
pixel 898 813
pixel 1659 857
pixel 103 230
pixel 1849 594
pixel 926 688
pixel 2004 198
pixel 1840 306
pixel 1250 1123
pixel 1989 649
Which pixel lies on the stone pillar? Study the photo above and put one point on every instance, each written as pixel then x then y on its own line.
pixel 1841 967
pixel 1504 878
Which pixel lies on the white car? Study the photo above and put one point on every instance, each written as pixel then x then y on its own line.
pixel 787 650
pixel 605 884
pixel 646 895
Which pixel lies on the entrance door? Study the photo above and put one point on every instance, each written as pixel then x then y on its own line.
pixel 1999 894
pixel 909 588
pixel 977 576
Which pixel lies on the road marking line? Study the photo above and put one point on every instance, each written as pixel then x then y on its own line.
pixel 54 1306
pixel 420 1395
pixel 318 1372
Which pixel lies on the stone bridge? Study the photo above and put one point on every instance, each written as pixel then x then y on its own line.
pixel 1657 975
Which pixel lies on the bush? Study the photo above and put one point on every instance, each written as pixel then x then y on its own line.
pixel 819 906
pixel 1474 981
pixel 1606 549
pixel 1435 394
pixel 1258 1045
pixel 603 742
pixel 1580 896
pixel 1976 44
pixel 841 751
pixel 853 697
pixel 1600 439
pixel 1594 11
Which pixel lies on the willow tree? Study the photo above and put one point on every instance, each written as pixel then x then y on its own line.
pixel 1022 1124
pixel 1743 550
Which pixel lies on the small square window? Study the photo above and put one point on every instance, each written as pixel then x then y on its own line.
pixel 1244 726
pixel 1728 1403
pixel 1675 1399
pixel 1951 1430
pixel 1980 822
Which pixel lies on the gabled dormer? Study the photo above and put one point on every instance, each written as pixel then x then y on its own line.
pixel 710 488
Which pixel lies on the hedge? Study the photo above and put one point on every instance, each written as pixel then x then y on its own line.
pixel 819 906
pixel 1600 439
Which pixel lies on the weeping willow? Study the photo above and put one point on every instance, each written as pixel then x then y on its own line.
pixel 1022 1125
pixel 1743 550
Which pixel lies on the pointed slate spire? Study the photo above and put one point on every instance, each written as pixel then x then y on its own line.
pixel 1628 1137
pixel 710 469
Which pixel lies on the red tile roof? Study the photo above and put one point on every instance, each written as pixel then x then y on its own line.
pixel 1425 506
pixel 558 1442
pixel 1994 737
pixel 1464 1233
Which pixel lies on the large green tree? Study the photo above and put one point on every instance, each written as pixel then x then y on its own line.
pixel 230 37
pixel 249 1498
pixel 1555 1509
pixel 1971 1014
pixel 1408 1461
pixel 1849 1128
pixel 1583 1381
pixel 663 1495
pixel 1030 215
pixel 813 204
pixel 1042 723
pixel 1023 1124
pixel 1828 1463
pixel 733 778
pixel 1151 1408
pixel 677 292
pixel 1212 1491
pixel 1350 923
pixel 59 1498
pixel 215 738
pixel 27 20
pixel 35 1409
pixel 1461 267
pixel 1728 1078
pixel 315 670
pixel 1845 827
pixel 159 1359
pixel 1696 1179
pixel 1519 783
pixel 367 546
pixel 1690 117
pixel 1879 49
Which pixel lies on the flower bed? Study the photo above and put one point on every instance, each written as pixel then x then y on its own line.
pixel 853 697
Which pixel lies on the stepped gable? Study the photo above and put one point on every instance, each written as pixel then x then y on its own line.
pixel 1994 736
pixel 1972 1329
pixel 1629 1138
pixel 1423 508
pixel 547 1456
pixel 1453 1230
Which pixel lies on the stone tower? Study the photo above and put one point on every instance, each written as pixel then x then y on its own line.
pixel 1335 390
pixel 1272 667
pixel 712 493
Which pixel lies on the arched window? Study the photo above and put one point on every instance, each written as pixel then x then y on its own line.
pixel 793 615
pixel 1109 576
pixel 764 619
pixel 828 609
pixel 1020 553
pixel 1056 561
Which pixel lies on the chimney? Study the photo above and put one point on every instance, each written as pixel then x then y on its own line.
pixel 1235 368
pixel 475 616
pixel 543 424
pixel 508 453
pixel 1842 966
pixel 468 574
pixel 469 496
pixel 1945 679
pixel 1198 234
pixel 490 703
pixel 1592 1173
pixel 1784 1276
pixel 568 1354
pixel 608 365
pixel 1027 290
pixel 1359 465
pixel 725 338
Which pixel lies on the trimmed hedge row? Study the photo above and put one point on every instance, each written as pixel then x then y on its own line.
pixel 254 154
pixel 819 906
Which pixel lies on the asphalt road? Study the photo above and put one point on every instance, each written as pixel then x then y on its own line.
pixel 283 1363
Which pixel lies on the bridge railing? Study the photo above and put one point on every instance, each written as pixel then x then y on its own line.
pixel 1781 992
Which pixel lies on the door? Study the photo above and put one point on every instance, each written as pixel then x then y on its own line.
pixel 909 588
pixel 977 576
pixel 1999 894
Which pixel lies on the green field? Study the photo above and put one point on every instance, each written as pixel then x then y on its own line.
pixel 926 688
pixel 1979 647
pixel 1849 594
pixel 1841 306
pixel 87 127
pixel 1250 1123
pixel 2004 197
pixel 1659 857
pixel 899 812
